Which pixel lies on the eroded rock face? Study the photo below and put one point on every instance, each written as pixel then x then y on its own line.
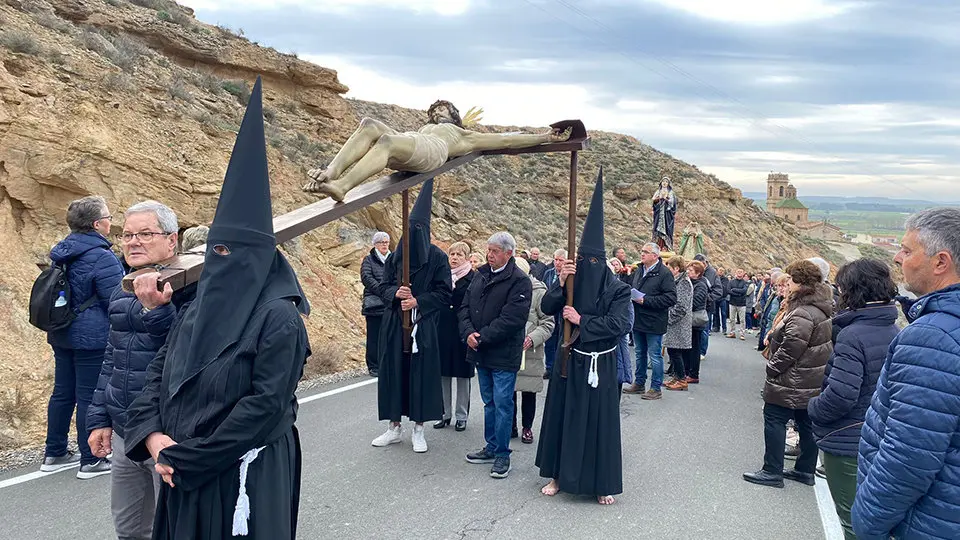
pixel 121 102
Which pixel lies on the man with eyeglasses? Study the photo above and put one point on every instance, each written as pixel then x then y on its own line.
pixel 139 323
pixel 654 292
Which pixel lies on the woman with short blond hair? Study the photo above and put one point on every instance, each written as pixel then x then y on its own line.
pixel 453 352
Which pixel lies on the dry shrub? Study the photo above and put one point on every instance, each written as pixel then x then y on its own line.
pixel 20 42
pixel 327 358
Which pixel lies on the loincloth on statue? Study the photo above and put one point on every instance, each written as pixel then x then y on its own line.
pixel 429 152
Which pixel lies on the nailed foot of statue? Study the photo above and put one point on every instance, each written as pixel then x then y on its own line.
pixel 320 183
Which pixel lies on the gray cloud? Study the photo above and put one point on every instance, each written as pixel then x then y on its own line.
pixel 786 85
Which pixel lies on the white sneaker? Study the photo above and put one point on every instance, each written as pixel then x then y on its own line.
pixel 392 436
pixel 419 441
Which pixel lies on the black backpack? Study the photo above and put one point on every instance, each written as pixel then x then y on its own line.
pixel 48 311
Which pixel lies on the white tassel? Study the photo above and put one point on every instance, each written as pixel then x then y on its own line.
pixel 413 333
pixel 241 513
pixel 593 379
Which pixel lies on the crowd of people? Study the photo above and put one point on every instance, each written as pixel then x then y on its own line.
pixel 196 405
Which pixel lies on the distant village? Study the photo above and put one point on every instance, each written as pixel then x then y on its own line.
pixel 782 202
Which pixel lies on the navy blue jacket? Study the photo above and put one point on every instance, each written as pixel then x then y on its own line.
pixel 135 339
pixel 850 378
pixel 92 269
pixel 908 477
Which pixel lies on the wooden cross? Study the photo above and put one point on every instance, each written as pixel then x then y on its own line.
pixel 184 269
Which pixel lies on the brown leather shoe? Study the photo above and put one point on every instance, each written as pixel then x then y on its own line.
pixel 652 394
pixel 691 380
pixel 633 389
pixel 676 385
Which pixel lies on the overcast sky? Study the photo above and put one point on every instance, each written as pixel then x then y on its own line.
pixel 850 97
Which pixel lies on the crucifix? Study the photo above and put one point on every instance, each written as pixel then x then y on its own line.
pixel 438 147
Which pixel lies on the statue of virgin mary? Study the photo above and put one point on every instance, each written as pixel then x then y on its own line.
pixel 664 214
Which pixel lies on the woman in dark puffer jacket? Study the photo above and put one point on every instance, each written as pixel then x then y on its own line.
pixel 94 272
pixel 800 345
pixel 863 330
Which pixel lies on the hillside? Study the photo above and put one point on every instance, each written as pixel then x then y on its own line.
pixel 136 100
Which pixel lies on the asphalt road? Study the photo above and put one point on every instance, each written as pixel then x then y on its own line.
pixel 682 459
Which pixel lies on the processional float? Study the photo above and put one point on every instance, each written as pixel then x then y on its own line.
pixel 185 268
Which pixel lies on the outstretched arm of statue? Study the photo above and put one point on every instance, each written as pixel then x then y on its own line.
pixel 478 142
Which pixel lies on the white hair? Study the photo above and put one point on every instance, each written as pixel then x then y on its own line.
pixel 938 229
pixel 380 236
pixel 504 240
pixel 560 253
pixel 653 247
pixel 166 218
pixel 823 265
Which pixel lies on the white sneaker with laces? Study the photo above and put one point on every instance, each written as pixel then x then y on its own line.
pixel 392 436
pixel 419 441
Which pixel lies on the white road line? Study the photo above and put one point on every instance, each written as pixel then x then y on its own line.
pixel 828 511
pixel 33 476
pixel 38 474
pixel 336 391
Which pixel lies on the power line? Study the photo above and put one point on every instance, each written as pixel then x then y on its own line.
pixel 757 119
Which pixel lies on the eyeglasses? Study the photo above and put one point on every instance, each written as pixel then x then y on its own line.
pixel 105 217
pixel 646 252
pixel 144 237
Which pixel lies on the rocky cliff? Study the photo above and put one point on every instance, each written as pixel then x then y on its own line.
pixel 136 100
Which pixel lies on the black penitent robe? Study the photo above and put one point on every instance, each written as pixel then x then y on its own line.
pixel 580 432
pixel 453 351
pixel 409 385
pixel 241 400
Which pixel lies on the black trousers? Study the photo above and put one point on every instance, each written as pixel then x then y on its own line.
pixel 692 360
pixel 373 341
pixel 677 359
pixel 775 420
pixel 528 409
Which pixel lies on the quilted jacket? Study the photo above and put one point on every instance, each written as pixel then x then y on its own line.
pixel 863 337
pixel 800 346
pixel 909 466
pixel 93 270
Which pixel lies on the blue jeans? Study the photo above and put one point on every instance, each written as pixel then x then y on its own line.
pixel 623 360
pixel 75 377
pixel 550 349
pixel 705 334
pixel 496 391
pixel 649 345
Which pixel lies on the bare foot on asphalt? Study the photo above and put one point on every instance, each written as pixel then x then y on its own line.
pixel 550 489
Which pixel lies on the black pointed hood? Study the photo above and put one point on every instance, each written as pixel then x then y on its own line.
pixel 242 266
pixel 592 272
pixel 419 229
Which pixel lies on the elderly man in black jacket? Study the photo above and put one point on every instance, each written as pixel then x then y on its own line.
pixel 654 292
pixel 139 323
pixel 493 318
pixel 371 272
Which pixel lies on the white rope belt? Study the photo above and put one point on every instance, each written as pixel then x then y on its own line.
pixel 242 512
pixel 593 379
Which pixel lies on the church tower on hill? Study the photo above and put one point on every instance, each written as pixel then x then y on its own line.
pixel 782 199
